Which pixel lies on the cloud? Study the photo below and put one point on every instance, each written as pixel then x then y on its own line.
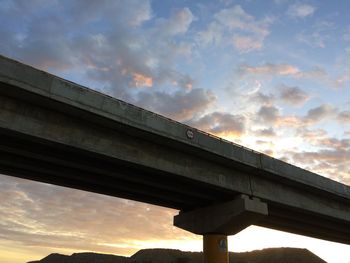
pixel 262 99
pixel 291 122
pixel 325 155
pixel 342 79
pixel 104 42
pixel 221 124
pixel 331 162
pixel 142 81
pixel 320 113
pixel 180 105
pixel 213 35
pixel 52 217
pixel 268 114
pixel 246 44
pixel 176 78
pixel 311 136
pixel 300 10
pixel 234 26
pixel 178 23
pixel 316 73
pixel 344 116
pixel 318 35
pixel 271 115
pixel 269 132
pixel 331 159
pixel 48 39
pixel 282 70
pixel 343 144
pixel 131 13
pixel 320 138
pixel 235 18
pixel 270 69
pixel 293 95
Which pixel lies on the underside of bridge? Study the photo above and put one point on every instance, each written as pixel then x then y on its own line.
pixel 58 132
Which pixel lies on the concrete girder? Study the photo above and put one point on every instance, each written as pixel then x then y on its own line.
pixel 93 142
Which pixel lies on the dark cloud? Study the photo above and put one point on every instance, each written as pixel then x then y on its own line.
pixel 342 144
pixel 221 123
pixel 320 138
pixel 320 113
pixel 127 13
pixel 262 98
pixel 180 105
pixel 268 114
pixel 36 39
pixel 293 95
pixel 333 162
pixel 104 41
pixel 265 132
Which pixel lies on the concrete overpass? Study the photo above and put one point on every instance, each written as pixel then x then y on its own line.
pixel 55 131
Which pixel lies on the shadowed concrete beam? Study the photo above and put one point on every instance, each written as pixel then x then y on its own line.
pixel 58 132
pixel 227 218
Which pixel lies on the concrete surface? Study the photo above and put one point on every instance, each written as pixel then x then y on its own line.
pixel 55 131
pixel 227 218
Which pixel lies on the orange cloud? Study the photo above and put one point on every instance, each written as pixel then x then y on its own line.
pixel 273 69
pixel 290 121
pixel 142 80
pixel 316 73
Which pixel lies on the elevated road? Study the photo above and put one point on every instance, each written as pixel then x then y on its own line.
pixel 55 131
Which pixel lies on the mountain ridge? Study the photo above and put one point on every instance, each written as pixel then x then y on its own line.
pixel 158 255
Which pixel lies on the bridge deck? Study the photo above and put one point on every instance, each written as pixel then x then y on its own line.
pixel 58 132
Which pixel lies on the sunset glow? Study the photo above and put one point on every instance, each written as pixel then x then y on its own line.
pixel 270 75
pixel 142 81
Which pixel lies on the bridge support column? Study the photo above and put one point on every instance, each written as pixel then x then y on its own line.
pixel 215 249
pixel 216 222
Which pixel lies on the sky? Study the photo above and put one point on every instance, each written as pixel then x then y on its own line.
pixel 271 75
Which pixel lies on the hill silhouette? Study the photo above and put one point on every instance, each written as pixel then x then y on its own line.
pixel 270 255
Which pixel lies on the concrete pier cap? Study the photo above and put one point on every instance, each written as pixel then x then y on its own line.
pixel 218 221
pixel 226 218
